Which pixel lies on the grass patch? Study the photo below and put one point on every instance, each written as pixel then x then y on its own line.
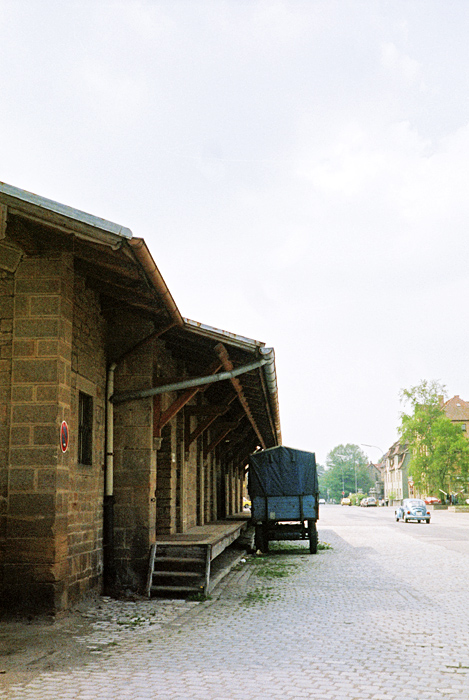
pixel 275 565
pixel 274 568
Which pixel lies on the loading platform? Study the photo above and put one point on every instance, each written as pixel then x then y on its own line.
pixel 181 564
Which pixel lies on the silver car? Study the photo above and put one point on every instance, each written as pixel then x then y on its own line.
pixel 413 509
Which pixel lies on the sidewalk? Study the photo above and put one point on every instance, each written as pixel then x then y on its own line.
pixel 378 617
pixel 95 628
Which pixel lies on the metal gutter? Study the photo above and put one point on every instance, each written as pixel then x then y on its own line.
pixel 186 383
pixel 63 210
pixel 249 345
pixel 228 365
pixel 144 257
pixel 270 375
pixel 219 335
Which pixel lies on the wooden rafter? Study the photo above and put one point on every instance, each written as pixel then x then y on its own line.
pixel 161 419
pixel 241 440
pixel 222 435
pixel 204 425
pixel 142 343
pixel 228 366
pixel 209 409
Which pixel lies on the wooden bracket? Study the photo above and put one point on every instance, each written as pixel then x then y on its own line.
pixel 228 366
pixel 228 427
pixel 160 420
pixel 204 425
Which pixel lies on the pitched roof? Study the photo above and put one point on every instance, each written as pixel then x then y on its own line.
pixel 456 409
pixel 121 269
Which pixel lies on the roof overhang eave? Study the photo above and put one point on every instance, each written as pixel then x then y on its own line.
pixel 66 218
pixel 252 346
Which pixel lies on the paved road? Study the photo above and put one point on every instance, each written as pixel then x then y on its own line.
pixel 381 616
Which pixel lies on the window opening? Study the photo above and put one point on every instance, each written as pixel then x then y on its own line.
pixel 85 428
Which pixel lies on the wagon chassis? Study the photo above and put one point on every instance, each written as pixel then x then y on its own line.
pixel 269 531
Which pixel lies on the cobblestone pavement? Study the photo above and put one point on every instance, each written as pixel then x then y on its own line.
pixel 380 616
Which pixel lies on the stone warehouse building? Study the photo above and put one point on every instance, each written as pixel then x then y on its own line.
pixel 120 420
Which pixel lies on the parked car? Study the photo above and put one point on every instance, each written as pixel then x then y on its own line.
pixel 346 502
pixel 370 501
pixel 413 509
pixel 322 501
pixel 431 500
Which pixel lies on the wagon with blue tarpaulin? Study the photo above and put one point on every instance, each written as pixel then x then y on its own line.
pixel 284 492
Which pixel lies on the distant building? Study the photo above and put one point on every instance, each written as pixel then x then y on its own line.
pixel 395 472
pixel 457 411
pixel 397 484
pixel 376 473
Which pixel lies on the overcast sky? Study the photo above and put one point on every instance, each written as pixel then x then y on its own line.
pixel 298 169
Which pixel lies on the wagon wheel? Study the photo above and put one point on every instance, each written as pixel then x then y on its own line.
pixel 313 537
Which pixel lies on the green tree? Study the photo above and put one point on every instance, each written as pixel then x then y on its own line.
pixel 439 452
pixel 346 471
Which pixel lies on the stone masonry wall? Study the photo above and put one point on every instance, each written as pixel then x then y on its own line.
pixel 36 564
pixel 134 470
pixel 86 481
pixel 166 484
pixel 191 482
pixel 7 282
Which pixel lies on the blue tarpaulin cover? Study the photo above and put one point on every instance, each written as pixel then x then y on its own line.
pixel 282 471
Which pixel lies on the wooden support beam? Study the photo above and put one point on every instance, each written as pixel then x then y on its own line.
pixel 221 436
pixel 142 343
pixel 242 442
pixel 165 416
pixel 202 427
pixel 228 366
pixel 209 409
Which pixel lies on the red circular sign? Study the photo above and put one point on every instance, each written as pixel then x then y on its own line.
pixel 64 436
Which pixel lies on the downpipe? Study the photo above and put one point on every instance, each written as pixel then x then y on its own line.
pixel 109 569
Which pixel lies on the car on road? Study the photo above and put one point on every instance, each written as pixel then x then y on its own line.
pixel 367 502
pixel 431 500
pixel 322 501
pixel 413 509
pixel 346 502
